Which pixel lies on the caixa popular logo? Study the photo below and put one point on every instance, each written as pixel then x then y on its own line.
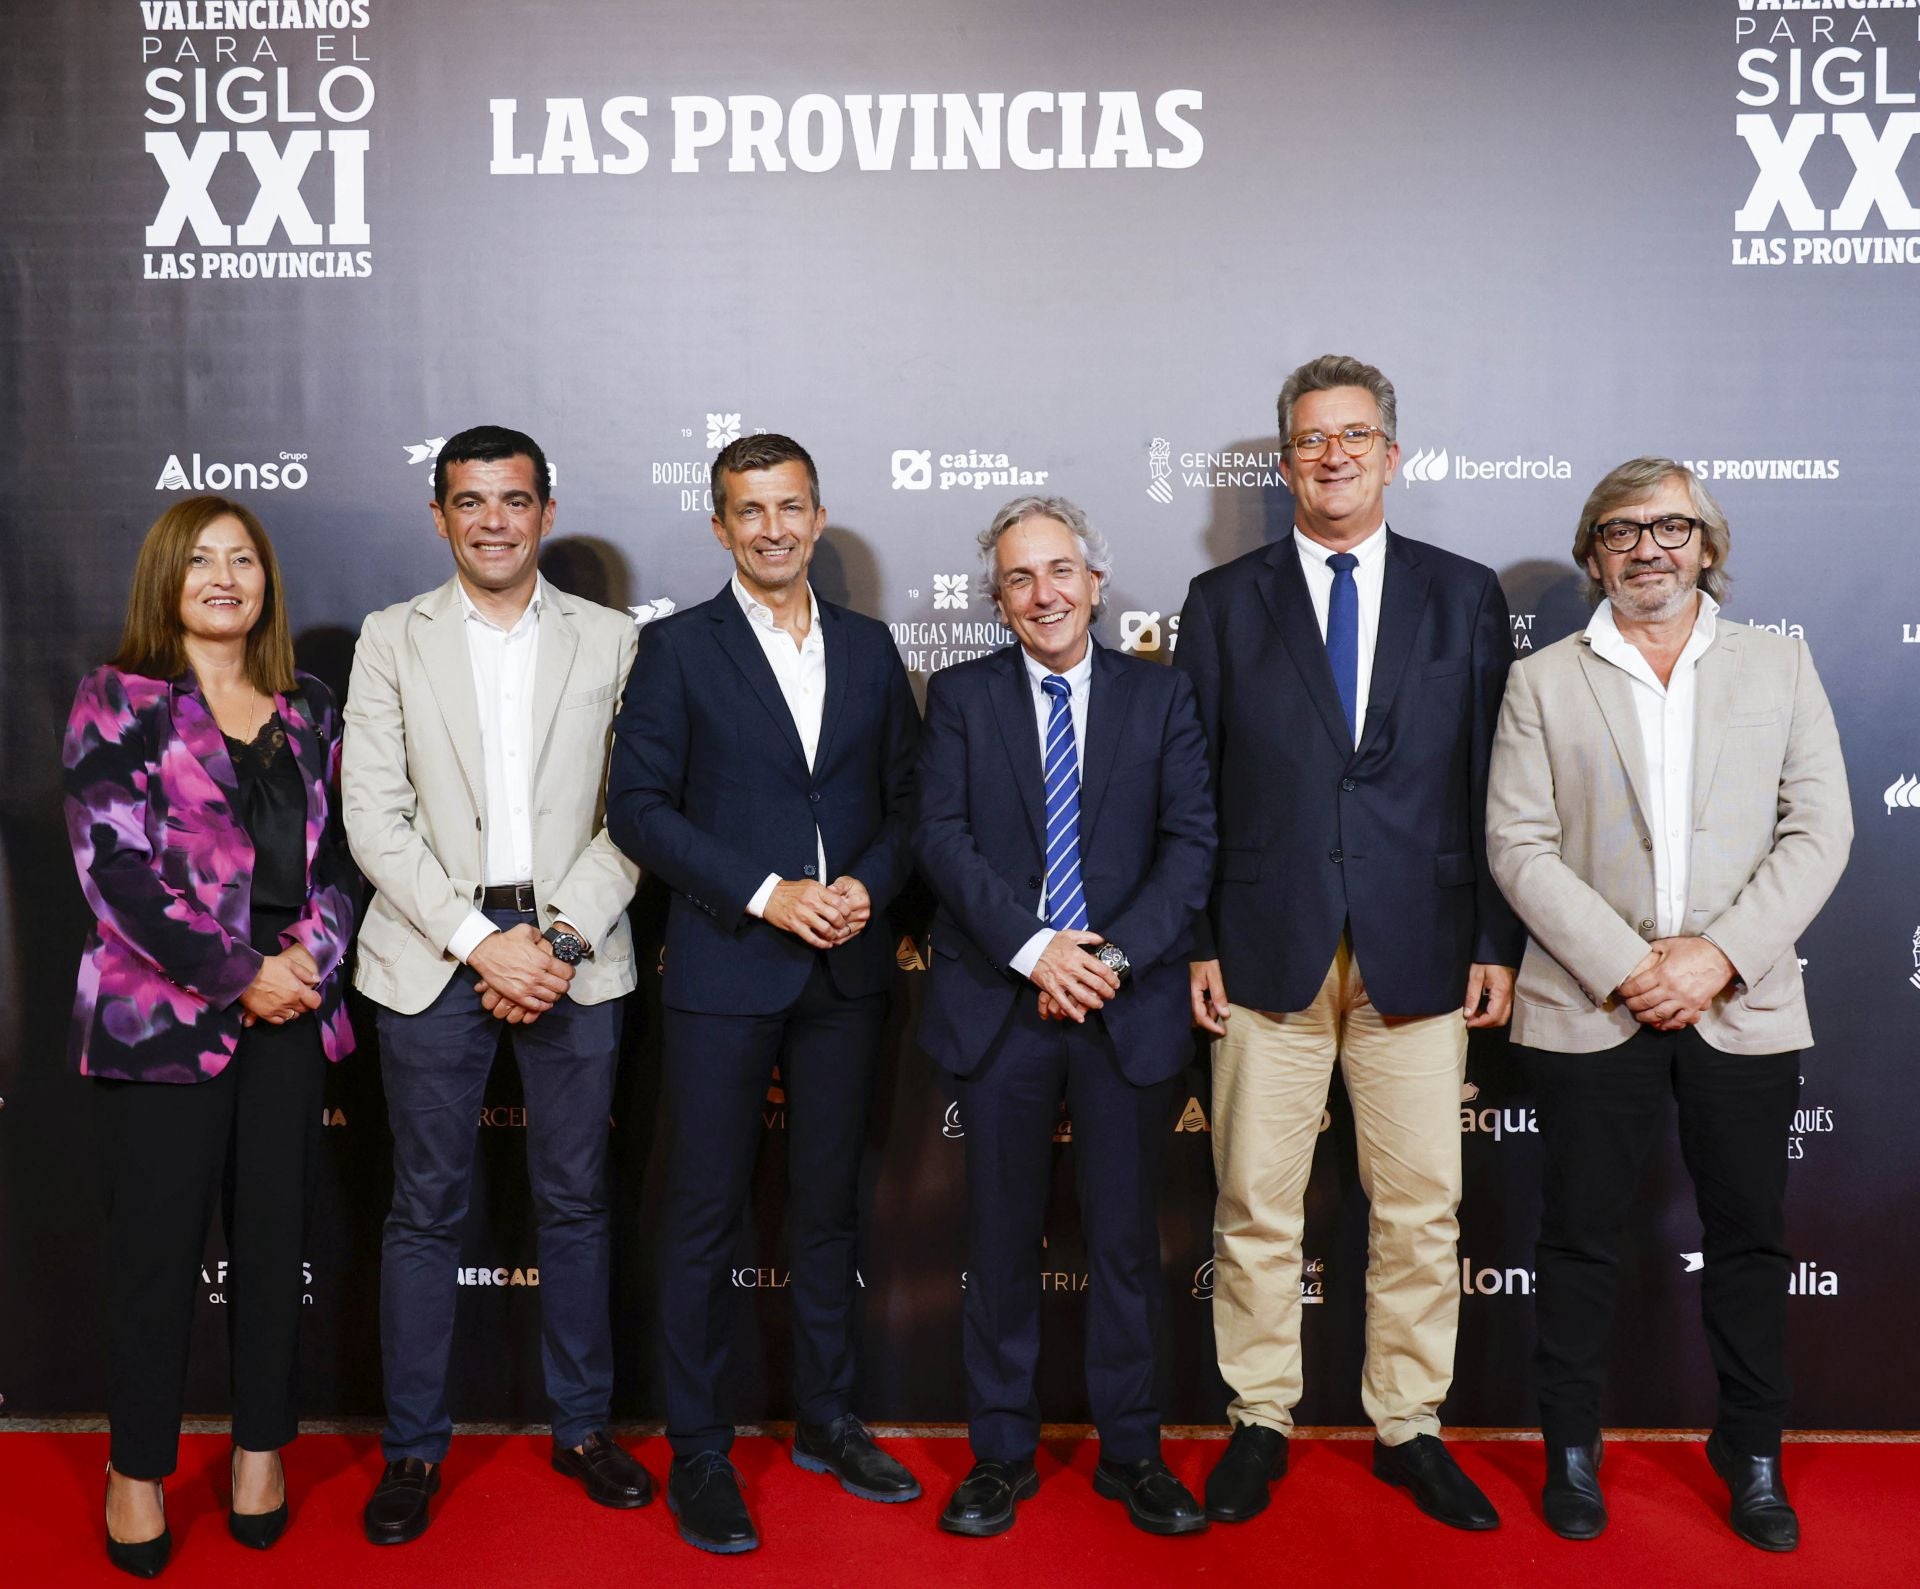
pixel 286 472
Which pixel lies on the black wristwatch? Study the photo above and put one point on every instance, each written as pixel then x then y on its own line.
pixel 566 947
pixel 1114 958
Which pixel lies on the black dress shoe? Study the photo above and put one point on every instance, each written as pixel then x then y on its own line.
pixel 984 1503
pixel 397 1510
pixel 144 1558
pixel 1572 1501
pixel 1761 1513
pixel 703 1493
pixel 1425 1469
pixel 1155 1499
pixel 1237 1486
pixel 845 1449
pixel 255 1530
pixel 608 1474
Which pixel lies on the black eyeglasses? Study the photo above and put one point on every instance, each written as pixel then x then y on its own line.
pixel 1355 441
pixel 1671 532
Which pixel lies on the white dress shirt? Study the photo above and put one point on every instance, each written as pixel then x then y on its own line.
pixel 800 669
pixel 1079 679
pixel 503 661
pixel 1368 578
pixel 1666 714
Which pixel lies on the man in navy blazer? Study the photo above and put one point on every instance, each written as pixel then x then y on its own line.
pixel 1064 822
pixel 762 768
pixel 1350 680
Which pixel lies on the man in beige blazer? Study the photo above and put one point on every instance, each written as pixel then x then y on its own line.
pixel 473 780
pixel 1667 810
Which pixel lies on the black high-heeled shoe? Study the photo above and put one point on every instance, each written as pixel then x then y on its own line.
pixel 256 1530
pixel 143 1558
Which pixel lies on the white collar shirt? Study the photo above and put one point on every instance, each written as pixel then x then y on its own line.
pixel 800 669
pixel 1666 717
pixel 1369 577
pixel 1079 679
pixel 503 663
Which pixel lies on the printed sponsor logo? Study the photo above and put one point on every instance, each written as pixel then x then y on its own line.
pixel 333 1117
pixel 1313 1281
pixel 1522 631
pixel 1193 1117
pixel 1914 979
pixel 288 472
pixel 1806 1279
pixel 1160 470
pixel 1490 1282
pixel 481 1275
pixel 1432 465
pixel 1902 794
pixel 914 470
pixel 951 1128
pixel 1033 130
pixel 1826 187
pixel 1146 633
pixel 950 592
pixel 907 956
pixel 215 1276
pixel 423 451
pixel 647 611
pixel 252 115
pixel 1765 468
pixel 1808 1120
pixel 504 1115
pixel 723 430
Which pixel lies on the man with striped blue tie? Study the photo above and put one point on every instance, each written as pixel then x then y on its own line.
pixel 1065 823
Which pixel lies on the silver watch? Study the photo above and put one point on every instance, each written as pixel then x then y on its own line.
pixel 1114 958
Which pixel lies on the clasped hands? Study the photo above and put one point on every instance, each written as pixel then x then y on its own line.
pixel 286 986
pixel 520 980
pixel 1675 982
pixel 821 916
pixel 1072 983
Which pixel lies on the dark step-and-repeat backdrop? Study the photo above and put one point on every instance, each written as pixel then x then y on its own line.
pixel 282 248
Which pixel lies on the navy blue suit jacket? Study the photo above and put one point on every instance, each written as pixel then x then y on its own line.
pixel 708 789
pixel 1387 839
pixel 1146 850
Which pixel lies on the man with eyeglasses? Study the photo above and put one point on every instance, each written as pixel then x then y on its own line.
pixel 1667 812
pixel 1349 680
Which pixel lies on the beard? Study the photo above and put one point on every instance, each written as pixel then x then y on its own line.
pixel 1644 606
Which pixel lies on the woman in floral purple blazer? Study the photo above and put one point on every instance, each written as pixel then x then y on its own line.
pixel 200 772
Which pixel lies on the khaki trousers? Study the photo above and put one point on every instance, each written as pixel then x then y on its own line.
pixel 1270 1078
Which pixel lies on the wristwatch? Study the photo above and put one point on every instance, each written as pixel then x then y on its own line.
pixel 1114 958
pixel 566 947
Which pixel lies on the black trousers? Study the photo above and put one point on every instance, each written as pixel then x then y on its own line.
pixel 717 1071
pixel 249 1136
pixel 1599 1114
pixel 1008 1108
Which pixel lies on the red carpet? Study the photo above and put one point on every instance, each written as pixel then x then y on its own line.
pixel 505 1518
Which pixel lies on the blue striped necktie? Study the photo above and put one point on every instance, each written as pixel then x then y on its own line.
pixel 1066 901
pixel 1343 637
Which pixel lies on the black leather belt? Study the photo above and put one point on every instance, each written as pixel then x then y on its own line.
pixel 509 896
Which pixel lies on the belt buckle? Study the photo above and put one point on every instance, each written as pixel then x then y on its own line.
pixel 523 898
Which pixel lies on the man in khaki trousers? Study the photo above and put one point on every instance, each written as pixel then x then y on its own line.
pixel 1349 680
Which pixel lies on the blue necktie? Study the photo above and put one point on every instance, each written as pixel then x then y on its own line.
pixel 1343 636
pixel 1066 902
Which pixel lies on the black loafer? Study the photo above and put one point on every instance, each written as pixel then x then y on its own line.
pixel 845 1449
pixel 1761 1513
pixel 1237 1488
pixel 255 1530
pixel 144 1558
pixel 608 1474
pixel 703 1493
pixel 1155 1499
pixel 984 1503
pixel 1571 1500
pixel 397 1510
pixel 1426 1470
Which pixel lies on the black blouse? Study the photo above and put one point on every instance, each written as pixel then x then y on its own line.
pixel 273 809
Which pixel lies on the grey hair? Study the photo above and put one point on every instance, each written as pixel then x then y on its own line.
pixel 1633 482
pixel 1336 369
pixel 1092 543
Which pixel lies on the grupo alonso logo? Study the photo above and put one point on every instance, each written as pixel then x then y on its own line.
pixel 286 472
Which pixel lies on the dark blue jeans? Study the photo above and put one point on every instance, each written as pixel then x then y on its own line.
pixel 435 1067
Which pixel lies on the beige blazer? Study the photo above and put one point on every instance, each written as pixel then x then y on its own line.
pixel 413 791
pixel 1570 843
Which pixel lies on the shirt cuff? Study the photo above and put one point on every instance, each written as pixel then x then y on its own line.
pixel 466 937
pixel 757 906
pixel 1029 953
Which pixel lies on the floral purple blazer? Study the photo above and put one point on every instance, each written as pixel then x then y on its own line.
pixel 168 870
